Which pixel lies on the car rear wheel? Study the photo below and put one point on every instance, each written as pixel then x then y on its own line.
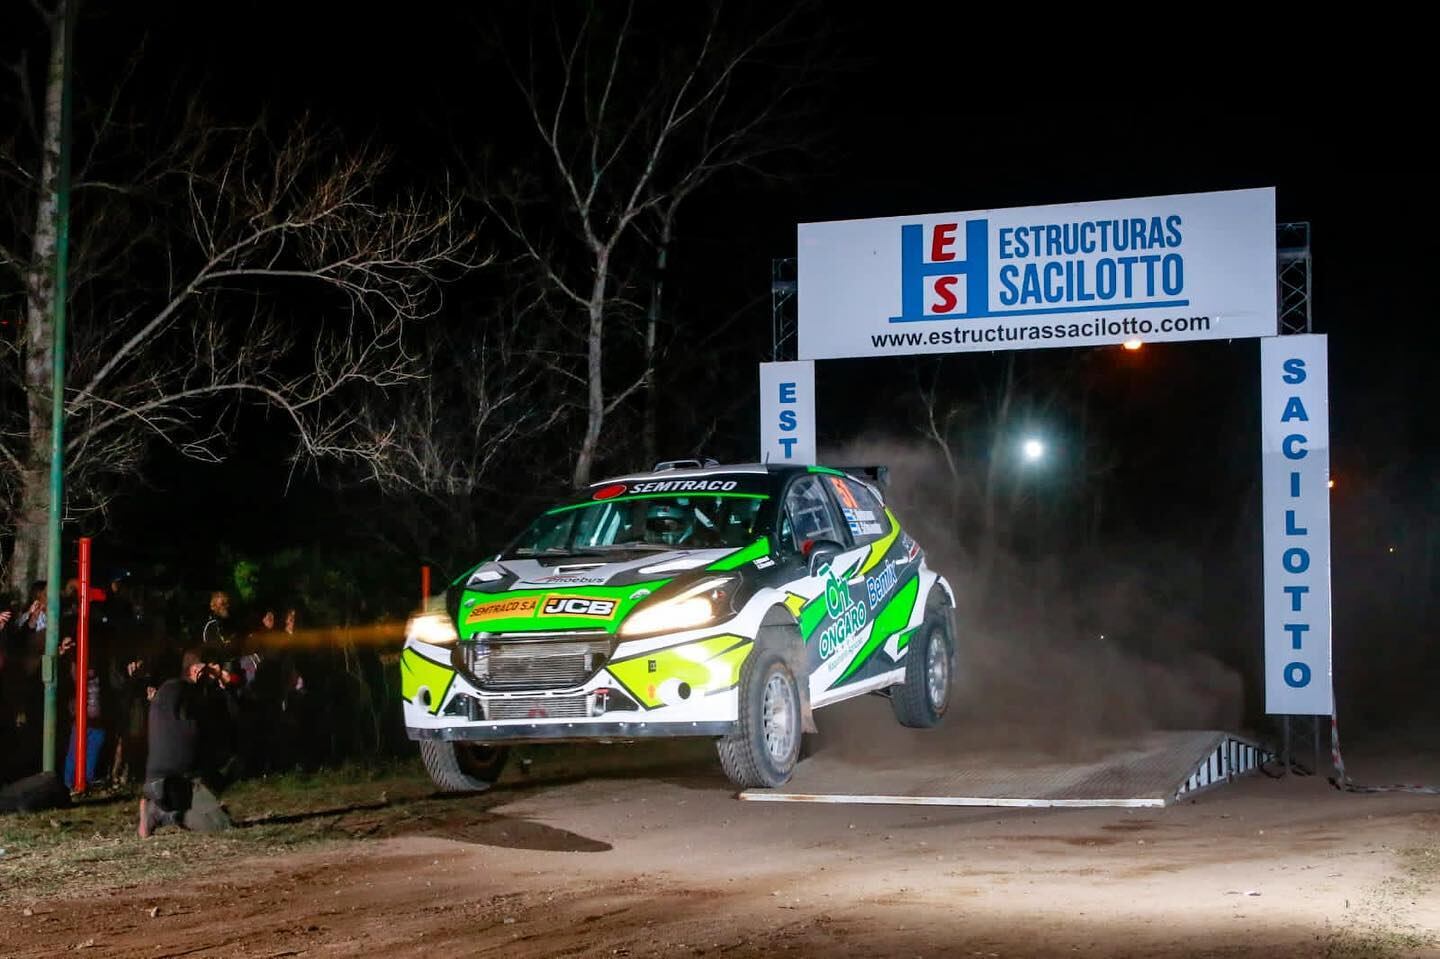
pixel 462 767
pixel 921 700
pixel 764 749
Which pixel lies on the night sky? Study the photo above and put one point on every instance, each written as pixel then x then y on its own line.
pixel 924 112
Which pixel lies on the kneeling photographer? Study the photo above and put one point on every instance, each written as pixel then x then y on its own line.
pixel 191 751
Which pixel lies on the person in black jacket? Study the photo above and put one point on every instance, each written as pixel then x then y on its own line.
pixel 190 724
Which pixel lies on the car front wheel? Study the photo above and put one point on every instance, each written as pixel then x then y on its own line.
pixel 462 767
pixel 765 747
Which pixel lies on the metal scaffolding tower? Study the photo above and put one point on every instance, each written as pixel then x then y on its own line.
pixel 1293 277
pixel 782 309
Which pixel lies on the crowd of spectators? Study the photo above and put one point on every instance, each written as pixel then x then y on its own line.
pixel 169 708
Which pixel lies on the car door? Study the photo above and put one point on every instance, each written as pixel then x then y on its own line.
pixel 832 613
pixel 864 648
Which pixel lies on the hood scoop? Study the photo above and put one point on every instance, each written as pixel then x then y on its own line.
pixel 679 564
pixel 575 567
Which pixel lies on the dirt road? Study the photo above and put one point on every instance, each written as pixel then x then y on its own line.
pixel 671 864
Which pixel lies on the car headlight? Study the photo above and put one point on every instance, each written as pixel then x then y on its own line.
pixel 703 603
pixel 435 628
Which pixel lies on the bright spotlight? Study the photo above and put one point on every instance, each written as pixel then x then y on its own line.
pixel 1033 450
pixel 1133 344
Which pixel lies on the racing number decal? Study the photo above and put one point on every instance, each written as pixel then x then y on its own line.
pixel 847 498
pixel 557 605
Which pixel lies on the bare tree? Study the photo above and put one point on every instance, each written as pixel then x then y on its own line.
pixel 632 120
pixel 214 267
pixel 484 399
pixel 487 408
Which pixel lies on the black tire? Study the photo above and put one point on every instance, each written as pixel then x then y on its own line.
pixel 462 767
pixel 916 702
pixel 746 754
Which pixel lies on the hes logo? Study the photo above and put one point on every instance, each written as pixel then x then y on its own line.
pixel 931 271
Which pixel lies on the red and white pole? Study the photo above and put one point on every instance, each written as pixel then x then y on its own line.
pixel 82 669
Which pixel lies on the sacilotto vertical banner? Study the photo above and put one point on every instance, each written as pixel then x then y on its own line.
pixel 1295 448
pixel 787 412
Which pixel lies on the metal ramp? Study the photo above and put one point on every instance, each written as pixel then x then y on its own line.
pixel 1155 770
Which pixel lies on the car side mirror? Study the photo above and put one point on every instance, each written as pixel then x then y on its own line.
pixel 821 552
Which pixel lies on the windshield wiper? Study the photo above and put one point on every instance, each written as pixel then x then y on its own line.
pixel 620 548
pixel 594 550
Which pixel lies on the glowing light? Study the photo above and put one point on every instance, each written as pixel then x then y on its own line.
pixel 1133 344
pixel 1033 450
pixel 1330 484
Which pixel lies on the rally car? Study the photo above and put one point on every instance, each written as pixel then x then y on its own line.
pixel 694 600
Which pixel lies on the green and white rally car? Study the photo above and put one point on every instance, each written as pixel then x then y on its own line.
pixel 695 600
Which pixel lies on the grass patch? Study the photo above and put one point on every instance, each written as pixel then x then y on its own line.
pixel 1380 927
pixel 94 845
pixel 1374 943
pixel 1422 863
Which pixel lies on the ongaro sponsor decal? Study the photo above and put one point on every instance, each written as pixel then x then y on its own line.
pixel 849 616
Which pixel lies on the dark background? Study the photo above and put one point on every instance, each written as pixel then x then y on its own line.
pixel 924 111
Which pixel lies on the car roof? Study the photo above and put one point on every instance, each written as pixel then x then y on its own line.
pixel 776 473
pixel 757 469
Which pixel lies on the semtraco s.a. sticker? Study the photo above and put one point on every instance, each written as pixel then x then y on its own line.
pixel 503 608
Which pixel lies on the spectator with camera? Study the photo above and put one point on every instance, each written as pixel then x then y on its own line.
pixel 190 753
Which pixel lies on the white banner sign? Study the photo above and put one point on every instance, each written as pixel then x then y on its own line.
pixel 1192 267
pixel 1295 447
pixel 787 412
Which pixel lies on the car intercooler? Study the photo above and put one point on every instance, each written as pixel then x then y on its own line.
pixel 498 663
pixel 538 707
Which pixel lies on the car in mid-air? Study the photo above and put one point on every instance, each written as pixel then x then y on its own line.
pixel 693 600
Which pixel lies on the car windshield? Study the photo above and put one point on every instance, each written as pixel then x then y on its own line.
pixel 645 522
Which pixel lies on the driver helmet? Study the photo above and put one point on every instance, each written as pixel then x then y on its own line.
pixel 666 523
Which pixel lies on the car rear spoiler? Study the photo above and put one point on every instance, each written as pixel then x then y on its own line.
pixel 870 474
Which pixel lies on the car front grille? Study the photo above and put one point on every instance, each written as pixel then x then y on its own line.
pixel 537 707
pixel 531 664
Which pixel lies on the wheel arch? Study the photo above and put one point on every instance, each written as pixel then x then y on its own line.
pixel 780 630
pixel 944 590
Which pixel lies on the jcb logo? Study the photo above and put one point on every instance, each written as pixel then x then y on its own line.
pixel 578 606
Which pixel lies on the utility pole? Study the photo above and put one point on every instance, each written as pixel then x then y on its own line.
pixel 65 17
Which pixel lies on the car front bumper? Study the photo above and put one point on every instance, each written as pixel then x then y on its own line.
pixel 514 732
pixel 679 685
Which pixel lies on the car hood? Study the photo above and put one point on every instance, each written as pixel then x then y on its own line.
pixel 551 594
pixel 600 571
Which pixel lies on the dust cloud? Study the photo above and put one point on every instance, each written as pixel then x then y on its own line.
pixel 1063 652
